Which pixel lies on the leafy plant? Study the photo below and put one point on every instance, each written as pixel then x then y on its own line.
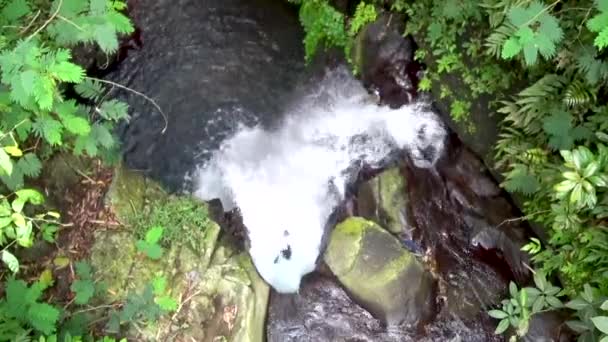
pixel 523 303
pixel 22 308
pixel 149 245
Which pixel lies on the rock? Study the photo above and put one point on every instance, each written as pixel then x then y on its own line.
pixel 383 200
pixel 323 311
pixel 382 276
pixel 127 193
pixel 227 298
pixel 548 327
pixel 385 59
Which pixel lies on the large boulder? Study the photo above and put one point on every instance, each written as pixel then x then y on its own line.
pixel 379 273
pixel 221 296
pixel 385 59
pixel 383 199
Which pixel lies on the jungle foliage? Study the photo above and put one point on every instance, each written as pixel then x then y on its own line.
pixel 544 63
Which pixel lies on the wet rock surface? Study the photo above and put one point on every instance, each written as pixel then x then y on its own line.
pixel 323 311
pixel 383 200
pixel 379 273
pixel 226 299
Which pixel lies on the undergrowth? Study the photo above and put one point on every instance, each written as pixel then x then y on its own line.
pixel 544 65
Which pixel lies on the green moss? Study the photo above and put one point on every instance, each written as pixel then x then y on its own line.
pixel 126 195
pixel 345 244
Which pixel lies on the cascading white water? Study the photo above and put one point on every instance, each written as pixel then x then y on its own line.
pixel 287 181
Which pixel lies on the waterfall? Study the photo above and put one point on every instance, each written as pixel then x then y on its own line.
pixel 287 181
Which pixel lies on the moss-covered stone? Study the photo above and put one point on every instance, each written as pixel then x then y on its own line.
pixel 222 296
pixel 379 273
pixel 127 193
pixel 383 200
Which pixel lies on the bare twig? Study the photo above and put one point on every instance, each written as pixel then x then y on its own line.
pixel 137 93
pixel 47 22
pixel 522 218
pixel 30 23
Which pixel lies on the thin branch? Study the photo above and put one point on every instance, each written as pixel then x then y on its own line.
pixel 522 218
pixel 30 23
pixel 48 21
pixel 70 22
pixel 137 93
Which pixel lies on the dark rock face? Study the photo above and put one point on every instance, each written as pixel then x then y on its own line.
pixel 386 60
pixel 210 65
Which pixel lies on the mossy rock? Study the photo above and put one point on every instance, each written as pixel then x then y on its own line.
pixel 127 193
pixel 223 297
pixel 383 200
pixel 379 273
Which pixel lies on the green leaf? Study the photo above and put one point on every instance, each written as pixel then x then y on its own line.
pixel 98 7
pixel 577 304
pixel 84 270
pixel 498 314
pixel 18 204
pixel 554 302
pixel 5 162
pixel 105 36
pixel 14 10
pixel 601 323
pixel 154 235
pixel 67 72
pixel 502 327
pixel 154 252
pixel 14 151
pixel 166 303
pixel 540 280
pixel 76 125
pixel 43 317
pixel 29 165
pixel 49 129
pixel 84 289
pixel 10 261
pixel 113 110
pixel 159 285
pixel 89 89
pixel 30 195
pixel 578 326
pixel 604 305
pixel 511 48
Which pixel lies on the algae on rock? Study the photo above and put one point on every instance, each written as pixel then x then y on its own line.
pixel 218 289
pixel 383 199
pixel 379 273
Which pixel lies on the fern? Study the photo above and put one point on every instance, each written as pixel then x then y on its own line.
pixel 578 94
pixel 365 13
pixel 519 179
pixel 599 24
pixel 323 25
pixel 22 304
pixel 88 22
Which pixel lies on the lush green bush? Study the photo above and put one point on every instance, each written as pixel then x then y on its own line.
pixel 37 119
pixel 545 66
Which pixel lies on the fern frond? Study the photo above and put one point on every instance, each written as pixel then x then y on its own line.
pixel 578 94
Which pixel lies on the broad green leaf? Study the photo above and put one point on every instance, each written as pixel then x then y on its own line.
pixel 154 235
pixel 591 169
pixel 13 151
pixel 10 261
pixel 554 302
pixel 604 305
pixel 577 304
pixel 539 304
pixel 601 323
pixel 578 326
pixel 18 219
pixel 31 196
pixel 18 204
pixel 5 162
pixel 166 303
pixel 502 327
pixel 498 314
pixel 159 284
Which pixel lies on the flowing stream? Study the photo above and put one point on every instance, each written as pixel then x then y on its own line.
pixel 287 145
pixel 287 181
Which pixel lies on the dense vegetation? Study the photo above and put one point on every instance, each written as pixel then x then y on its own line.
pixel 37 121
pixel 544 65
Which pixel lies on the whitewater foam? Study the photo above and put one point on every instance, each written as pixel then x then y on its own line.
pixel 287 181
